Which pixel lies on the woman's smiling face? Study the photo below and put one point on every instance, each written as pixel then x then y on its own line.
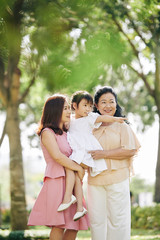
pixel 66 113
pixel 107 104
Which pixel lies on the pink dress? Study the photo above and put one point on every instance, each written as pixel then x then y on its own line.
pixel 44 211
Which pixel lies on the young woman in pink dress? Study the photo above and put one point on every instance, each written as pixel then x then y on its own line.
pixel 56 151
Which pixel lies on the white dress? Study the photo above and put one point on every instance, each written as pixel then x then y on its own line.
pixel 82 140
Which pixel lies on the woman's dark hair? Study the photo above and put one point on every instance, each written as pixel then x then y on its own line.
pixel 79 95
pixel 104 90
pixel 52 114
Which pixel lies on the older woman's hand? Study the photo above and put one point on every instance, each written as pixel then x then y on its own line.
pixel 116 154
pixel 98 154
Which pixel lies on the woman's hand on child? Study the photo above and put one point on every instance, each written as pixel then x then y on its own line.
pixel 67 124
pixel 81 173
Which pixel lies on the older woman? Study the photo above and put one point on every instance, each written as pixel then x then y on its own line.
pixel 108 192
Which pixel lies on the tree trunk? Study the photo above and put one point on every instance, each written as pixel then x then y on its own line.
pixel 157 183
pixel 17 186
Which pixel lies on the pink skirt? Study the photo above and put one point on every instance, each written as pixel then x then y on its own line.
pixel 45 213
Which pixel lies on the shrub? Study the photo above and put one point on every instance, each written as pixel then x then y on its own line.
pixel 17 235
pixel 145 217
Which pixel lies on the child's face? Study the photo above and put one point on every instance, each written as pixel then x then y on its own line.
pixel 83 109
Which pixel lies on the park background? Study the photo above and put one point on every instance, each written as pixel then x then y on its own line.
pixel 63 46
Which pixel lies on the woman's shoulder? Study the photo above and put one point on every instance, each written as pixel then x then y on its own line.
pixel 52 135
pixel 121 127
pixel 47 130
pixel 115 126
pixel 47 133
pixel 125 125
pixel 51 131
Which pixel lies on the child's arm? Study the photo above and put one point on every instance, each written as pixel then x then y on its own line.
pixel 107 118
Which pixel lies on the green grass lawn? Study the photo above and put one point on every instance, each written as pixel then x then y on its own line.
pixel 41 233
pixel 145 234
pixel 135 235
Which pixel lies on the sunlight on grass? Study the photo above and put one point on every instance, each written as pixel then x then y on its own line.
pixel 85 235
pixel 139 234
pixel 145 237
pixel 37 233
pixel 83 238
pixel 132 238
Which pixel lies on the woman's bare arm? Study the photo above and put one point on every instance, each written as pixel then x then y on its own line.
pixel 49 141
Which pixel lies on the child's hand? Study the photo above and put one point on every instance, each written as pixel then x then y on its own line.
pixel 120 119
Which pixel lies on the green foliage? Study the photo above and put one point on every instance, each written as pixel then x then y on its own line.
pixel 60 62
pixel 34 104
pixel 134 96
pixel 17 235
pixel 5 216
pixel 63 63
pixel 137 22
pixel 84 71
pixel 100 50
pixel 146 217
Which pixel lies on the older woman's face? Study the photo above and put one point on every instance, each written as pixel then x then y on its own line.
pixel 107 104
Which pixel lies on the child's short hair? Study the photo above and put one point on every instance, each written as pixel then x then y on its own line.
pixel 78 96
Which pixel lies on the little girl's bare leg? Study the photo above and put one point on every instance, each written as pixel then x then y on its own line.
pixel 70 234
pixel 70 182
pixel 56 233
pixel 78 191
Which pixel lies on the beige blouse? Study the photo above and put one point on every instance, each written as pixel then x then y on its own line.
pixel 110 137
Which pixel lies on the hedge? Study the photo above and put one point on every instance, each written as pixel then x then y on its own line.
pixel 146 217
